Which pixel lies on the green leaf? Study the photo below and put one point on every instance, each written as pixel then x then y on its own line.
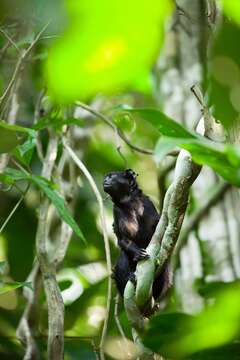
pixel 16 175
pixel 56 122
pixel 10 286
pixel 229 351
pixel 109 46
pixel 17 128
pixel 6 179
pixel 58 202
pixel 9 140
pixel 204 152
pixel 12 135
pixel 163 147
pixel 212 289
pixel 232 9
pixel 165 125
pixel 179 336
pixel 24 152
pixel 49 189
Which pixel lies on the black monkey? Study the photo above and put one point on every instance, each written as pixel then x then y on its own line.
pixel 135 220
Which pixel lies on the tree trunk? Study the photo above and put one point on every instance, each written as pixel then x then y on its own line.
pixel 180 66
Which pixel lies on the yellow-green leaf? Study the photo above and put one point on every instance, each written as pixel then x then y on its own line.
pixel 108 47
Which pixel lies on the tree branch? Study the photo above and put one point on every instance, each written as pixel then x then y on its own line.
pixel 161 245
pixel 48 270
pixel 26 327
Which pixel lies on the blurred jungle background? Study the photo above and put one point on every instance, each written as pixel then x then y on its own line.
pixel 93 86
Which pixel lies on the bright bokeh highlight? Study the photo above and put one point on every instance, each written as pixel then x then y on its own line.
pixel 109 46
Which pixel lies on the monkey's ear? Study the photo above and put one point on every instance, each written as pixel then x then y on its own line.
pixel 131 173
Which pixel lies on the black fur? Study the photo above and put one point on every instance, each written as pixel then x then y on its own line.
pixel 135 220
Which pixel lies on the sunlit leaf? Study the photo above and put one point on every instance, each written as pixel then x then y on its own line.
pixel 177 336
pixel 108 47
pixel 232 9
pixel 6 179
pixel 212 289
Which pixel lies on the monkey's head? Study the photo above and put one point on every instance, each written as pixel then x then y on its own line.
pixel 120 184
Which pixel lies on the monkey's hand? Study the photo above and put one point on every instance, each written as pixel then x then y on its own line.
pixel 140 254
pixel 132 249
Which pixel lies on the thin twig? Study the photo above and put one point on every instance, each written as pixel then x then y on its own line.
pixel 21 58
pixel 14 210
pixel 114 127
pixel 36 117
pixel 93 185
pixel 119 131
pixel 4 49
pixel 9 39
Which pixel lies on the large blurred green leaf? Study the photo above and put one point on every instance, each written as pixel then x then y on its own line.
pixel 109 46
pixel 177 336
pixel 232 9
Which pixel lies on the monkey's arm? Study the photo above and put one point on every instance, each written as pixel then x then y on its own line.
pixel 132 249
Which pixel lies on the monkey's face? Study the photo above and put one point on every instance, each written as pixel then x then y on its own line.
pixel 119 183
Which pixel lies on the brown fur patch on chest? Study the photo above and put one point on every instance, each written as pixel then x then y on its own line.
pixel 131 227
pixel 130 223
